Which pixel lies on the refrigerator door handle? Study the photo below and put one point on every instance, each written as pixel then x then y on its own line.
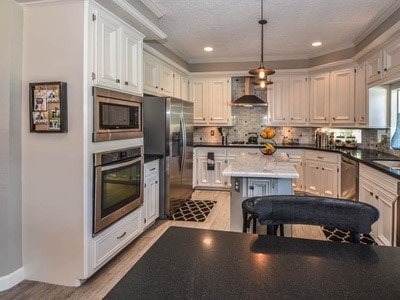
pixel 183 134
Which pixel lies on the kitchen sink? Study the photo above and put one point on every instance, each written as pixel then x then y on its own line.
pixel 393 164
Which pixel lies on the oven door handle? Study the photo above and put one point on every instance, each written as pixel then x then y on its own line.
pixel 119 165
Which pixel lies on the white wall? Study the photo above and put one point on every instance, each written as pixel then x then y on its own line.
pixel 53 164
pixel 10 143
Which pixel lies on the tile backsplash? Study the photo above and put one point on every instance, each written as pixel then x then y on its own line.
pixel 249 120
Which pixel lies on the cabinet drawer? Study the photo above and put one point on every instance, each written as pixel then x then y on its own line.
pixel 322 156
pixel 151 167
pixel 107 244
pixel 217 151
pixel 385 181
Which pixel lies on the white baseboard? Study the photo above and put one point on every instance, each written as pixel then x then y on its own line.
pixel 8 281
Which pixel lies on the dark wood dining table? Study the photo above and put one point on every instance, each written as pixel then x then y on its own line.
pixel 189 263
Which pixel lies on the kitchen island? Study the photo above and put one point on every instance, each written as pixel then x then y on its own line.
pixel 255 174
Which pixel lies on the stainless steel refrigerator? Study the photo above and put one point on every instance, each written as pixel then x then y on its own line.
pixel 168 132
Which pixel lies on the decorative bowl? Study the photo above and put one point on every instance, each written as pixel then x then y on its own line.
pixel 269 147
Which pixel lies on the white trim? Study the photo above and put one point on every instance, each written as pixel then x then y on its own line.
pixel 141 18
pixel 378 21
pixel 155 9
pixel 165 59
pixel 332 65
pixel 8 281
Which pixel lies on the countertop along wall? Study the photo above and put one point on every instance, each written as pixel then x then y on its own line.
pixel 11 271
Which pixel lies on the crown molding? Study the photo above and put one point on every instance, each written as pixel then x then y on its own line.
pixel 141 18
pixel 157 54
pixel 155 9
pixel 386 14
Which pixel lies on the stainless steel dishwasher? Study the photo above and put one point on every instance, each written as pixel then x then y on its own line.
pixel 349 179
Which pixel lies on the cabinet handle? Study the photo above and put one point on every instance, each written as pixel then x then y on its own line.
pixel 126 82
pixel 121 236
pixel 323 169
pixel 371 194
pixel 317 168
pixel 333 118
pixel 162 89
pixel 320 157
pixel 117 81
pixel 376 197
pixel 152 169
pixel 325 118
pixel 291 119
pixel 284 119
pixel 156 181
pixel 251 187
pixel 156 86
pixel 379 72
pixel 211 119
pixel 204 119
pixel 385 69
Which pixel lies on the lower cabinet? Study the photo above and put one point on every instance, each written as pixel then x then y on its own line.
pixel 322 173
pixel 151 195
pixel 380 190
pixel 296 157
pixel 261 187
pixel 109 242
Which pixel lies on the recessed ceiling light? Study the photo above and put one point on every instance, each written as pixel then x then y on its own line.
pixel 208 49
pixel 316 44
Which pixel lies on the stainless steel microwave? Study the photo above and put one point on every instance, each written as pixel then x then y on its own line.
pixel 116 115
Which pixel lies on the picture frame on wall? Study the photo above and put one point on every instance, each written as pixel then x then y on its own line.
pixel 48 107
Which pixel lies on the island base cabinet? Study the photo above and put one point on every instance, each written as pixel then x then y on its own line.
pixel 380 191
pixel 243 188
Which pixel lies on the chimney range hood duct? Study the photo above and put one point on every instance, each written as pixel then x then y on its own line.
pixel 248 99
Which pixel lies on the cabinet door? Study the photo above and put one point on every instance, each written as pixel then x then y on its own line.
pixel 260 187
pixel 177 86
pixel 299 100
pixel 217 179
pixel 218 100
pixel 329 180
pixel 166 81
pixel 185 88
pixel 151 74
pixel 203 176
pixel 108 50
pixel 366 195
pixel 374 67
pixel 278 95
pixel 132 63
pixel 151 198
pixel 312 177
pixel 319 98
pixel 297 183
pixel 198 94
pixel 342 96
pixel 361 112
pixel 391 58
pixel 385 222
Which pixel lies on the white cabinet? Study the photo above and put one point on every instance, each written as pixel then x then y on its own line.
pixel 184 88
pixel 206 177
pixel 319 98
pixel 384 63
pixel 278 99
pixel 299 100
pixel 381 191
pixel 118 49
pixel 114 238
pixel 342 96
pixel 322 173
pixel 151 195
pixel 361 100
pixel 158 77
pixel 211 98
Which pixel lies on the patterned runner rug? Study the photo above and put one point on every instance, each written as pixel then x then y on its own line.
pixel 193 210
pixel 338 235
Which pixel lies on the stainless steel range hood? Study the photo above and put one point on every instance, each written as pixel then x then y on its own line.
pixel 249 99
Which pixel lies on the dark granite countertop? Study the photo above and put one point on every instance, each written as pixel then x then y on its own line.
pixel 151 157
pixel 187 263
pixel 365 156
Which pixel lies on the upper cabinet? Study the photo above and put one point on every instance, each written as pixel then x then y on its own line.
pixel 278 96
pixel 161 79
pixel 299 99
pixel 384 63
pixel 118 48
pixel 361 107
pixel 342 96
pixel 211 97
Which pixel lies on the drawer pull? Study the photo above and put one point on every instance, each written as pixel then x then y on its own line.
pixel 152 169
pixel 371 194
pixel 376 197
pixel 121 236
pixel 320 157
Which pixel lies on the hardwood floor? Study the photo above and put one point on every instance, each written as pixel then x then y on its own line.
pixel 100 283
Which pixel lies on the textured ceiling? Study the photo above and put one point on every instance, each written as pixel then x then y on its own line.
pixel 231 27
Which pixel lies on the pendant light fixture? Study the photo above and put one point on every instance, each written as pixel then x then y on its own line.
pixel 261 72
